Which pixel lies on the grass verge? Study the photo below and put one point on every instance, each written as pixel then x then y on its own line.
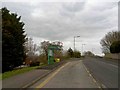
pixel 16 72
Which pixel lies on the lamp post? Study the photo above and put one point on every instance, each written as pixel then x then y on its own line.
pixel 74 41
pixel 82 48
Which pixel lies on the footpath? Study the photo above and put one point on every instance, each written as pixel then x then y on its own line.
pixel 25 80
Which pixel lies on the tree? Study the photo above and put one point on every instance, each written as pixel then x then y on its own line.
pixel 30 49
pixel 109 38
pixel 77 54
pixel 115 47
pixel 88 53
pixel 70 52
pixel 13 39
pixel 45 45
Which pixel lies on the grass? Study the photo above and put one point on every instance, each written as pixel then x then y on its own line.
pixel 16 72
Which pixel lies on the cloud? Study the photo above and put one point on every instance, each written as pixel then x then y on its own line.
pixel 64 20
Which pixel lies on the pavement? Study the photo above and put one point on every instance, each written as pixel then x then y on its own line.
pixel 26 79
pixel 103 70
pixel 71 75
pixel 22 80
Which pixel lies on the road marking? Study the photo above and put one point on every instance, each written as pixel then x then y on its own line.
pixel 92 77
pixel 104 86
pixel 99 87
pixel 50 77
pixel 114 65
pixel 87 71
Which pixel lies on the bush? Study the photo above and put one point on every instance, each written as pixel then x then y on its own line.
pixel 34 64
pixel 115 47
pixel 43 59
pixel 77 54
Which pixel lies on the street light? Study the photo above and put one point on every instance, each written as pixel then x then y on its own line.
pixel 74 41
pixel 82 48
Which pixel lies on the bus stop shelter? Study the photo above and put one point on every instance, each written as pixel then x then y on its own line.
pixel 51 49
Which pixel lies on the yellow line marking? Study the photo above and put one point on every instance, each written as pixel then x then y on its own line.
pixel 49 78
pixel 94 80
pixel 88 71
pixel 90 75
pixel 99 87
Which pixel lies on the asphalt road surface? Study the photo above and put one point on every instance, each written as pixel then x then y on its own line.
pixel 105 71
pixel 71 75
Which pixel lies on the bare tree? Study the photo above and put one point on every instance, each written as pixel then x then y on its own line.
pixel 31 50
pixel 44 47
pixel 29 47
pixel 45 44
pixel 109 38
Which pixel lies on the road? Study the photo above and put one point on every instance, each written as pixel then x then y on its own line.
pixel 75 73
pixel 71 75
pixel 105 71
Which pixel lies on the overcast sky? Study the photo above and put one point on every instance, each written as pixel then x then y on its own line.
pixel 90 20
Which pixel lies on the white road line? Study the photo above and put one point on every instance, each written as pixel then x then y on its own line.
pixel 114 65
pixel 91 77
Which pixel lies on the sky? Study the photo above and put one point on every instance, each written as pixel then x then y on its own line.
pixel 58 20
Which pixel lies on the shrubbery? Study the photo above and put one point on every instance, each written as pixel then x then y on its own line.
pixel 77 54
pixel 115 47
pixel 34 64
